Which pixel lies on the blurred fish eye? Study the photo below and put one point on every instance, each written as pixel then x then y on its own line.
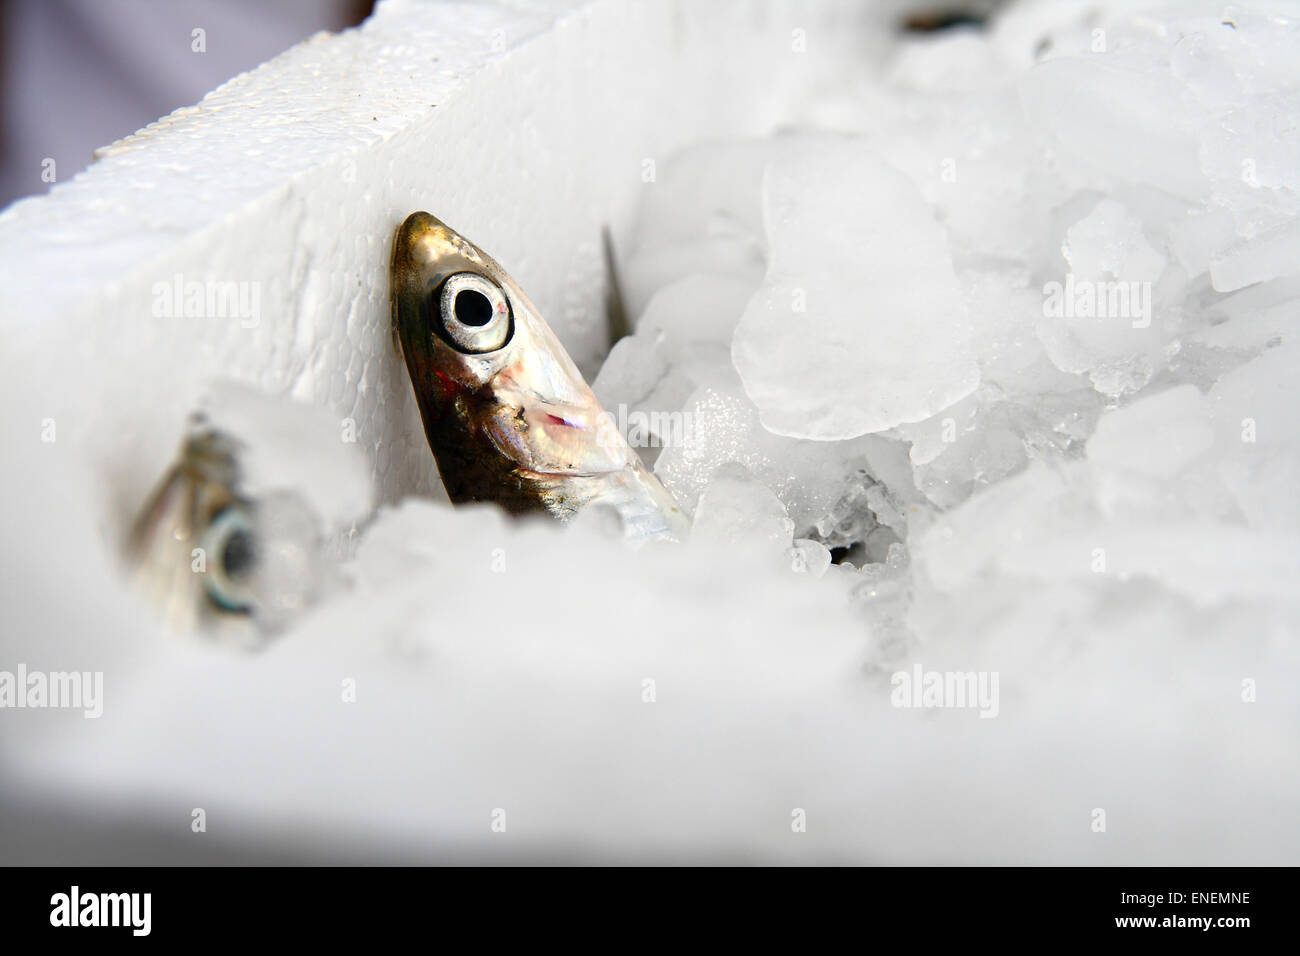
pixel 474 312
pixel 231 548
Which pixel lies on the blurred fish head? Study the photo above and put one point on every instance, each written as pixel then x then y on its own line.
pixel 209 557
pixel 507 413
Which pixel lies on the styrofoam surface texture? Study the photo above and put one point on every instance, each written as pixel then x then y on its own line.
pixel 292 178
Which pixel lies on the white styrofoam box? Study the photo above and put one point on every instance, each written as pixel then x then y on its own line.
pixel 527 126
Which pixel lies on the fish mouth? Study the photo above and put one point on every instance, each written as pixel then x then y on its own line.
pixel 564 475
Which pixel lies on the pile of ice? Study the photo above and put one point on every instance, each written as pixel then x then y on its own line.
pixel 1022 315
pixel 985 367
pixel 1008 328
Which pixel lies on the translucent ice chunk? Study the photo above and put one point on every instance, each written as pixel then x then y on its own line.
pixel 971 158
pixel 809 477
pixel 1108 243
pixel 703 307
pixel 700 211
pixel 962 543
pixel 724 252
pixel 860 324
pixel 1196 236
pixel 1202 59
pixel 1256 316
pixel 645 392
pixel 1157 435
pixel 1043 525
pixel 809 557
pixel 1004 311
pixel 710 187
pixel 933 436
pixel 1269 255
pixel 634 366
pixel 1254 409
pixel 983 456
pixel 1101 317
pixel 1133 124
pixel 736 510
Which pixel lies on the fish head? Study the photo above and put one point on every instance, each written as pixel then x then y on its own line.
pixel 503 405
pixel 211 557
pixel 192 546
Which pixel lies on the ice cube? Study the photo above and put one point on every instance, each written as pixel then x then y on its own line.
pixel 1102 317
pixel 700 212
pixel 1272 254
pixel 1255 316
pixel 809 477
pixel 1254 413
pixel 1109 243
pixel 809 557
pixel 653 267
pixel 634 366
pixel 1157 435
pixel 736 510
pixel 1199 234
pixel 1133 123
pixel 860 324
pixel 702 307
pixel 645 392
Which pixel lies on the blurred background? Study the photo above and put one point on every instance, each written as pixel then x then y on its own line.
pixel 80 74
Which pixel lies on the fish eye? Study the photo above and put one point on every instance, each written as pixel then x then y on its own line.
pixel 231 549
pixel 475 312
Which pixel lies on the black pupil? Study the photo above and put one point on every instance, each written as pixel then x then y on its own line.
pixel 472 308
pixel 239 553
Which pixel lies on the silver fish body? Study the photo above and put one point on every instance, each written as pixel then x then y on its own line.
pixel 506 412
